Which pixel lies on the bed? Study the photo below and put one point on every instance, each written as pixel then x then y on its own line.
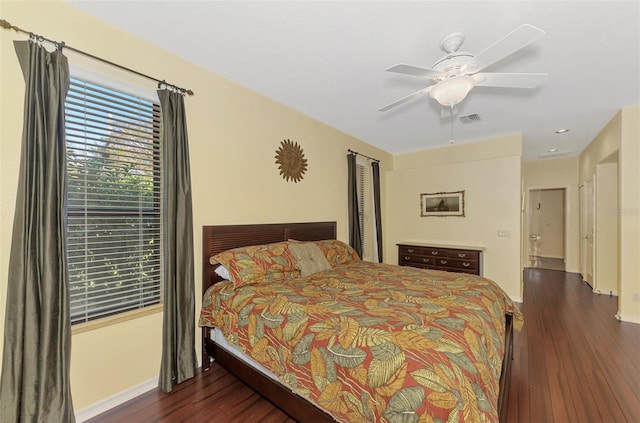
pixel 355 371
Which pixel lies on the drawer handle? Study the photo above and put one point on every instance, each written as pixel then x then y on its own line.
pixel 435 253
pixel 462 255
pixel 410 250
pixel 407 257
pixel 465 264
pixel 426 260
pixel 443 262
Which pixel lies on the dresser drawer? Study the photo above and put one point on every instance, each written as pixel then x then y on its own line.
pixel 464 254
pixel 406 249
pixel 470 266
pixel 414 258
pixel 435 252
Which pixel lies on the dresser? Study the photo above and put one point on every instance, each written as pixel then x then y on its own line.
pixel 452 258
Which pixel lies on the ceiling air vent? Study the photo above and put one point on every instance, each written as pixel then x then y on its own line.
pixel 552 155
pixel 470 119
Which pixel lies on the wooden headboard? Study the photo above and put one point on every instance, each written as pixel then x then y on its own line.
pixel 216 239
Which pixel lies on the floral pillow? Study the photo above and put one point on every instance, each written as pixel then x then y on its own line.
pixel 259 263
pixel 337 252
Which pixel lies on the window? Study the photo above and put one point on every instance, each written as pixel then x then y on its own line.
pixel 113 201
pixel 365 205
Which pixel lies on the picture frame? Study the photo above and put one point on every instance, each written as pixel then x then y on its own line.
pixel 442 204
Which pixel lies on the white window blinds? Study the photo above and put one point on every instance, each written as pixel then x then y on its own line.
pixel 113 201
pixel 365 204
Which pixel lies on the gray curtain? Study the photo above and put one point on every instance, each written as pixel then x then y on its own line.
pixel 375 166
pixel 355 238
pixel 37 335
pixel 178 329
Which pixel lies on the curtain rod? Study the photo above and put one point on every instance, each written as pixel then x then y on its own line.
pixel 6 25
pixel 363 155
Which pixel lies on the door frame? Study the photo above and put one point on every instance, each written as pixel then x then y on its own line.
pixel 525 225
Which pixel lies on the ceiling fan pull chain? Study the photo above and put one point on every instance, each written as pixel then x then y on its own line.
pixel 451 141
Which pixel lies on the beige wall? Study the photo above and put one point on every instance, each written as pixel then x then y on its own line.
pixel 629 162
pixel 606 143
pixel 233 137
pixel 606 229
pixel 489 173
pixel 622 135
pixel 556 173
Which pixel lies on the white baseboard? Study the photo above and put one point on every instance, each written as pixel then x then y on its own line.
pixel 612 293
pixel 115 400
pixel 630 319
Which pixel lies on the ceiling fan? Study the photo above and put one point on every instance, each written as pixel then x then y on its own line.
pixel 458 72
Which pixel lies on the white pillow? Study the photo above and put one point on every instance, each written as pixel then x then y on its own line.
pixel 223 272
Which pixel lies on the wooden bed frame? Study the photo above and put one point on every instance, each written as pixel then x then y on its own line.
pixel 216 239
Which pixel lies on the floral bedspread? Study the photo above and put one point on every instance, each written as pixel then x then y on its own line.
pixel 370 342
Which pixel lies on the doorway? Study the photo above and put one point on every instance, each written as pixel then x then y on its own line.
pixel 547 228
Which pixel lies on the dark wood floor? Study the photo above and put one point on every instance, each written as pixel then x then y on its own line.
pixel 573 363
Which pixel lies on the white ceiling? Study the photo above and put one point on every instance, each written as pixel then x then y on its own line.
pixel 326 59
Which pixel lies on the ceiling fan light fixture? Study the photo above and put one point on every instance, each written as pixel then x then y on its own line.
pixel 458 72
pixel 453 90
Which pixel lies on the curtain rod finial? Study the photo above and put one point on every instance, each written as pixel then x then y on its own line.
pixel 6 25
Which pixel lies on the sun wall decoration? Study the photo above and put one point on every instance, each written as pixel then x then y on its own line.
pixel 290 160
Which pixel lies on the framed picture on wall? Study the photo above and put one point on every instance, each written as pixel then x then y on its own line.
pixel 442 204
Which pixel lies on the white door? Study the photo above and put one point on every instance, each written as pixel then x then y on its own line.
pixel 534 227
pixel 587 203
pixel 590 205
pixel 583 231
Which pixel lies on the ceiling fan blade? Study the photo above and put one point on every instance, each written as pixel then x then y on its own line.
pixel 415 71
pixel 507 45
pixel 509 80
pixel 405 99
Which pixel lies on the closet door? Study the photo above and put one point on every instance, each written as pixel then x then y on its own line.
pixel 587 204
